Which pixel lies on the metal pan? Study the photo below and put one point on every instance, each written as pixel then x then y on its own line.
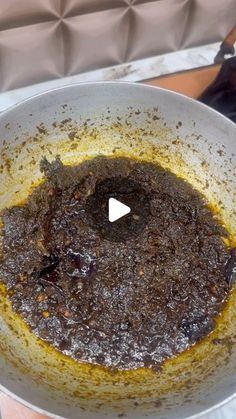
pixel 195 142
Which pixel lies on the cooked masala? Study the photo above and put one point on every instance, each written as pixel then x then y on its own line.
pixel 127 295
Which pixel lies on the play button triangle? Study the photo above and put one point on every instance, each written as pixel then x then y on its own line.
pixel 116 210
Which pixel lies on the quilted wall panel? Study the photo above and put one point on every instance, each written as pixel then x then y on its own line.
pixel 45 39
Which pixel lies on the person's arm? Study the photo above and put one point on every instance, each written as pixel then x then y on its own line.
pixel 10 409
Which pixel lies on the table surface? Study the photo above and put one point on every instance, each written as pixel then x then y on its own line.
pixel 190 83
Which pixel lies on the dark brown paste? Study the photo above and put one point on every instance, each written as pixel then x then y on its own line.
pixel 122 303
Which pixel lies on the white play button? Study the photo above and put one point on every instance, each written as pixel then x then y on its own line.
pixel 116 210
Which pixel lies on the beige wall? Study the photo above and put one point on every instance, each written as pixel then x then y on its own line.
pixel 45 39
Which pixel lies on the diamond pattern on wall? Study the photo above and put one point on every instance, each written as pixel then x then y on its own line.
pixel 45 39
pixel 89 43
